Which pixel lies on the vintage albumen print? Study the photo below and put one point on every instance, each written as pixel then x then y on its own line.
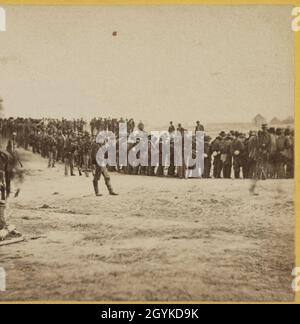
pixel 147 153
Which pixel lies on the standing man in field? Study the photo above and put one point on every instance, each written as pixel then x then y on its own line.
pixel 216 153
pixel 70 149
pixel 60 146
pixel 207 157
pixel 252 151
pixel 226 157
pixel 260 148
pixel 264 148
pixel 100 169
pixel 237 151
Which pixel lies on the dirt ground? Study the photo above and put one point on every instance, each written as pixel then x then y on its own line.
pixel 160 240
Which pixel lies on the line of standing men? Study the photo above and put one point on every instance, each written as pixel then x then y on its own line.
pixel 268 153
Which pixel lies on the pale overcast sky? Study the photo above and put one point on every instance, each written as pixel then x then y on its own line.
pixel 181 63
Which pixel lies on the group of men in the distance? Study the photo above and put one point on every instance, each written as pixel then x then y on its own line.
pixel 263 154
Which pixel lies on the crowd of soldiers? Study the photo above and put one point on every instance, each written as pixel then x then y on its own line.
pixel 263 154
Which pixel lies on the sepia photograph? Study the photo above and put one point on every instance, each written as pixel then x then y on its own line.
pixel 147 153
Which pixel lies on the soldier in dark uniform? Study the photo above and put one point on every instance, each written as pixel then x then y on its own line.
pixel 272 155
pixel 52 149
pixel 100 170
pixel 171 170
pixel 171 128
pixel 216 153
pixel 199 127
pixel 252 154
pixel 226 157
pixel 93 125
pixel 69 154
pixel 246 157
pixel 207 157
pixel 180 129
pixel 86 152
pixel 238 153
pixel 260 150
pixel 60 146
pixel 264 148
pixel 181 170
pixel 160 169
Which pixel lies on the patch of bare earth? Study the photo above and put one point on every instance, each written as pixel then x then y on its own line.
pixel 161 239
